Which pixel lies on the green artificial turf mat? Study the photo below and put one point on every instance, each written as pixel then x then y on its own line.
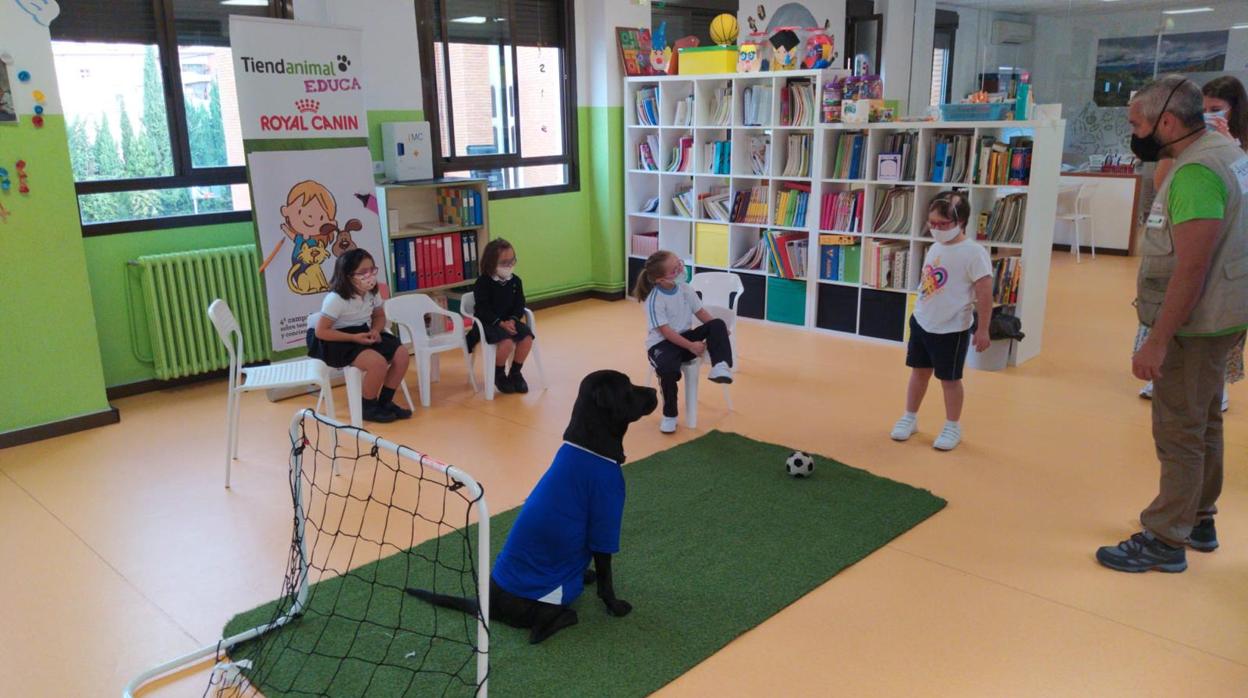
pixel 716 540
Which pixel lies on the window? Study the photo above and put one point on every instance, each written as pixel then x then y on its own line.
pixel 147 88
pixel 502 100
pixel 943 40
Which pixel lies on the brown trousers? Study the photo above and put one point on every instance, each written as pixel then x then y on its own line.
pixel 1187 430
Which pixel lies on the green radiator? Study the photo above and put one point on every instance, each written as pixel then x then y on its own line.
pixel 176 291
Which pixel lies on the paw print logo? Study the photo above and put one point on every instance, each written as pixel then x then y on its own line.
pixel 343 63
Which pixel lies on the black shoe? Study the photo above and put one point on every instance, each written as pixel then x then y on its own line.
pixel 399 412
pixel 374 412
pixel 504 385
pixel 518 384
pixel 1204 537
pixel 1141 553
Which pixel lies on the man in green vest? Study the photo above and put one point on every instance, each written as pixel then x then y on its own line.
pixel 1192 293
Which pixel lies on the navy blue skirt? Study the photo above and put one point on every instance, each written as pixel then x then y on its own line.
pixel 342 354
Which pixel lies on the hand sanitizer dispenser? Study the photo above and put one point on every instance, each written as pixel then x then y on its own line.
pixel 406 147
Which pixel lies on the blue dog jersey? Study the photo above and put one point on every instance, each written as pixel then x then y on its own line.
pixel 574 511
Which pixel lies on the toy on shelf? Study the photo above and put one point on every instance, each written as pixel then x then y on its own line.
pixel 660 52
pixel 750 58
pixel 784 48
pixel 820 51
pixel 724 30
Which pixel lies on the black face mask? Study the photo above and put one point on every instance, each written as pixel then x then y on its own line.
pixel 1148 148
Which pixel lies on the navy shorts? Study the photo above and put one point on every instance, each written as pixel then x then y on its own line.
pixel 946 353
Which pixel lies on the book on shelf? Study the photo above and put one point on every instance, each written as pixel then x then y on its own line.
pixel 892 211
pixel 720 112
pixel 460 206
pixel 951 157
pixel 1003 163
pixel 648 106
pixel 435 260
pixel 787 252
pixel 1007 274
pixel 759 145
pixel 1006 221
pixel 756 105
pixel 797 164
pixel 718 157
pixel 684 112
pixel 792 199
pixel 647 152
pixel 885 264
pixel 753 257
pixel 842 211
pixel 840 261
pixel 848 155
pixel 682 155
pixel 683 202
pixel 644 244
pixel 797 102
pixel 750 206
pixel 651 205
pixel 904 145
pixel 715 204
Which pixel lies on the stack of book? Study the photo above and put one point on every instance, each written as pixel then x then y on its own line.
pixel 951 157
pixel 756 105
pixel 750 206
pixel 648 106
pixel 715 204
pixel 720 112
pixel 430 261
pixel 1003 163
pixel 792 200
pixel 892 211
pixel 842 211
pixel 683 202
pixel 906 145
pixel 682 155
pixel 718 157
pixel 885 264
pixel 798 162
pixel 651 205
pixel 797 102
pixel 647 151
pixel 1007 274
pixel 759 145
pixel 1006 222
pixel 787 252
pixel 849 152
pixel 840 258
pixel 459 206
pixel 645 244
pixel 753 257
pixel 684 112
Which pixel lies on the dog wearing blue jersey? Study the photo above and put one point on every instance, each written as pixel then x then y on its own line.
pixel 573 516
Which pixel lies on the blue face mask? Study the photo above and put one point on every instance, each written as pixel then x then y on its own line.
pixel 1211 115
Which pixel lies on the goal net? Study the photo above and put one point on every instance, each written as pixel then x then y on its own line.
pixel 371 519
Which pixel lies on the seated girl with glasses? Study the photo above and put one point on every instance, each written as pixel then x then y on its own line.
pixel 349 332
pixel 499 297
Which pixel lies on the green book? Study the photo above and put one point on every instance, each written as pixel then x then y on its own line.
pixel 851 263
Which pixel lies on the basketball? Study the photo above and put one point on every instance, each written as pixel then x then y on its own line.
pixel 724 30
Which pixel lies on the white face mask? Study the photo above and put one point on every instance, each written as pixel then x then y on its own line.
pixel 504 273
pixel 365 283
pixel 944 236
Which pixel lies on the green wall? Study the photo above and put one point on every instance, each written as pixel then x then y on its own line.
pixel 48 350
pixel 566 242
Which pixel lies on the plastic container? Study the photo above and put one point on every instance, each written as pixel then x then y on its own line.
pixel 975 112
pixel 995 358
pixel 707 60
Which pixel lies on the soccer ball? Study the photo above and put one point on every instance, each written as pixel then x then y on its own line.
pixel 799 465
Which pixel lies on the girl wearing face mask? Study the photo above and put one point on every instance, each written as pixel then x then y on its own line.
pixel 349 332
pixel 1226 112
pixel 671 306
pixel 956 285
pixel 499 296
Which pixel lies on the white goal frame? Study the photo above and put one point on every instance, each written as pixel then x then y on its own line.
pixel 476 493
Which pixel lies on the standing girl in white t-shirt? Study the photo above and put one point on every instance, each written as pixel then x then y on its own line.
pixel 349 332
pixel 956 284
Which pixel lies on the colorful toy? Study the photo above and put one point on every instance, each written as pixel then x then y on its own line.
pixel 724 30
pixel 820 51
pixel 660 52
pixel 749 58
pixel 784 45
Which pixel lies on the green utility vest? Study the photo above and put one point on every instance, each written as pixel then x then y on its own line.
pixel 1223 302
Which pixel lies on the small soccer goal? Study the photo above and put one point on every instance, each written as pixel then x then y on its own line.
pixel 371 519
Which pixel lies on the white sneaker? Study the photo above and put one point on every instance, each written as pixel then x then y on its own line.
pixel 668 425
pixel 720 373
pixel 905 428
pixel 1147 391
pixel 949 438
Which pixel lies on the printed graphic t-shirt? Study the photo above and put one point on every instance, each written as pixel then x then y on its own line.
pixel 946 300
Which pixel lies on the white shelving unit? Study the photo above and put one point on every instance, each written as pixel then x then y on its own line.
pixel 851 308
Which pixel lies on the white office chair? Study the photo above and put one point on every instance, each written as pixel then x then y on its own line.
pixel 409 312
pixel 1081 213
pixel 467 305
pixel 280 375
pixel 721 292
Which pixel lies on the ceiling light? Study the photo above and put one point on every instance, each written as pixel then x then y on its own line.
pixel 246 3
pixel 475 19
pixel 1187 11
pixel 1239 26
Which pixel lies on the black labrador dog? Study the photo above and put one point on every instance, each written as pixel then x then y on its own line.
pixel 573 515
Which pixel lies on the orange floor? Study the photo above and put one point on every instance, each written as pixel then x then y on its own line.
pixel 120 548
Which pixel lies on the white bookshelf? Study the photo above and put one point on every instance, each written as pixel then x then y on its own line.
pixel 851 308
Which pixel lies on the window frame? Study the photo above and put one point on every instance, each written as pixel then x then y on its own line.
pixel 185 174
pixel 429 90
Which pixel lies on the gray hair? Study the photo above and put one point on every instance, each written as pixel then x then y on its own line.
pixel 1187 103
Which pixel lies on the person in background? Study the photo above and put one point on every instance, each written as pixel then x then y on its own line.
pixel 1192 294
pixel 500 308
pixel 1226 112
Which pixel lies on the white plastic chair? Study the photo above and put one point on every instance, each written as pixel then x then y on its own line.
pixel 409 312
pixel 721 292
pixel 1082 213
pixel 279 375
pixel 354 379
pixel 691 371
pixel 467 304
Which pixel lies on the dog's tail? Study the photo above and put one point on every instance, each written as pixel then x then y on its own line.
pixel 458 603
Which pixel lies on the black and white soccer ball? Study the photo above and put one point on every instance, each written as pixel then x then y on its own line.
pixel 799 464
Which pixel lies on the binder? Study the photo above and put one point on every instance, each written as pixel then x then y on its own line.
pixel 448 259
pixel 422 268
pixel 409 263
pixel 436 271
pixel 400 271
pixel 457 257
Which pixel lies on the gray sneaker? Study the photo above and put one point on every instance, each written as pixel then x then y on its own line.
pixel 1142 553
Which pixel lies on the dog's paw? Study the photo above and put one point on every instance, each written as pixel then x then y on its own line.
pixel 618 608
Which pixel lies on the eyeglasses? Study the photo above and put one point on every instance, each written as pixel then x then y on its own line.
pixel 365 274
pixel 508 264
